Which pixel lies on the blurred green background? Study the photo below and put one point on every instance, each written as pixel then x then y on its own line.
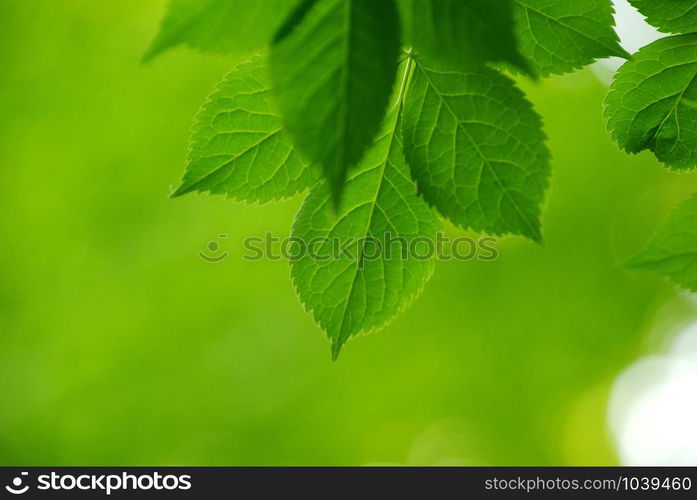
pixel 120 346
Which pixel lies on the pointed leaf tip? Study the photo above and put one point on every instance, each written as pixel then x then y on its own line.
pixel 238 147
pixel 336 349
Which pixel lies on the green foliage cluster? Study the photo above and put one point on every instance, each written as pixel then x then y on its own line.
pixel 392 112
pixel 652 105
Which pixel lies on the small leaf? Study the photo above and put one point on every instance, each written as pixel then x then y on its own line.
pixel 462 32
pixel 333 73
pixel 238 145
pixel 669 16
pixel 652 102
pixel 560 36
pixel 353 294
pixel 219 26
pixel 672 252
pixel 476 149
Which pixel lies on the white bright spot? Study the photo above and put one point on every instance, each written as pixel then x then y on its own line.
pixel 653 407
pixel 634 33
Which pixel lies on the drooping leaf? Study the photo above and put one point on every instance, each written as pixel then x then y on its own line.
pixel 672 252
pixel 558 36
pixel 219 26
pixel 359 290
pixel 462 32
pixel 669 16
pixel 238 145
pixel 652 102
pixel 333 69
pixel 476 149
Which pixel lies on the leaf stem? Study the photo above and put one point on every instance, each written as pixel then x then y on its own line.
pixel 408 57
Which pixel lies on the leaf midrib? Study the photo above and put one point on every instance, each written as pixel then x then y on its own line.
pixel 369 223
pixel 674 109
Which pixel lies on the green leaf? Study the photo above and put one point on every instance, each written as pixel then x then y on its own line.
pixel 462 33
pixel 219 26
pixel 669 16
pixel 238 145
pixel 333 71
pixel 672 252
pixel 476 149
pixel 358 293
pixel 558 36
pixel 652 102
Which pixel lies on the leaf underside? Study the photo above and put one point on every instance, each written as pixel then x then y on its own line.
pixel 672 252
pixel 476 149
pixel 220 26
pixel 652 102
pixel 238 147
pixel 333 73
